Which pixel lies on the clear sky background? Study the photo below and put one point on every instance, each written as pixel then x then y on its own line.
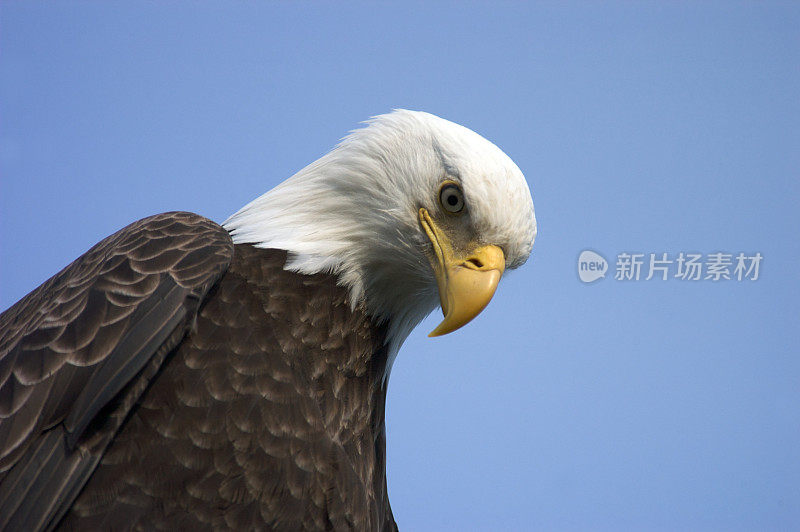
pixel 641 127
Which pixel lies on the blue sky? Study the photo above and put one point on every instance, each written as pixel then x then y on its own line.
pixel 641 127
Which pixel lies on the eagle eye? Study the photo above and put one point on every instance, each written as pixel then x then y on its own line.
pixel 451 198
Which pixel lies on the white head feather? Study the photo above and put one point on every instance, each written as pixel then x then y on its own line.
pixel 354 212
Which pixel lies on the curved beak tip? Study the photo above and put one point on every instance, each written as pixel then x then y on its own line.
pixel 469 288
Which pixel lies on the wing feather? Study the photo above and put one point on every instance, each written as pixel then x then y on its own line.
pixel 76 353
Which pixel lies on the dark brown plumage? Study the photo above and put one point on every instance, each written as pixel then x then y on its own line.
pixel 168 379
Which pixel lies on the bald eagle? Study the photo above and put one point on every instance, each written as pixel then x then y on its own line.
pixel 186 375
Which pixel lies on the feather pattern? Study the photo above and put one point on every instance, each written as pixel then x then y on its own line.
pixel 74 354
pixel 269 414
pixel 265 409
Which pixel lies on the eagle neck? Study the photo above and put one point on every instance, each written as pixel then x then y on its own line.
pixel 344 215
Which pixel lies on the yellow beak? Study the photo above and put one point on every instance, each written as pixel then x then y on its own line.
pixel 466 282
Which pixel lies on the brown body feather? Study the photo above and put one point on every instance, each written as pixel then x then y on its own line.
pixel 170 380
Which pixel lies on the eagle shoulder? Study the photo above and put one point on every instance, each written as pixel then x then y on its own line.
pixel 76 353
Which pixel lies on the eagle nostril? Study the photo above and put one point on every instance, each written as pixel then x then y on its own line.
pixel 476 262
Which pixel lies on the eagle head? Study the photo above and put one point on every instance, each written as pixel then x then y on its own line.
pixel 409 212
